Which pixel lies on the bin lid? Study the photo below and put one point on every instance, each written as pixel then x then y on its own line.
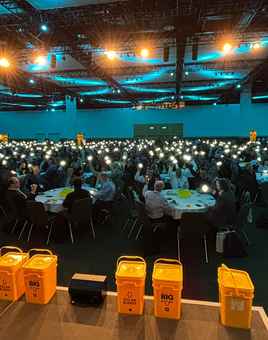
pixel 40 262
pixel 167 272
pixel 12 259
pixel 132 269
pixel 236 279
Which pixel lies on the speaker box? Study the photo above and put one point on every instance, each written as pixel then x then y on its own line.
pixel 87 290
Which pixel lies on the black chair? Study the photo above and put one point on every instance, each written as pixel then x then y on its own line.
pixel 242 220
pixel 38 218
pixel 194 224
pixel 81 213
pixel 264 192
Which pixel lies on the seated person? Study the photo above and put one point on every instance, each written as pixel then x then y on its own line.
pixel 104 197
pixel 155 204
pixel 77 194
pixel 35 178
pixel 16 199
pixel 223 214
pixel 177 179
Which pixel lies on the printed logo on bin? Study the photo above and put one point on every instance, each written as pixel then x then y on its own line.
pixel 5 286
pixel 34 284
pixel 237 305
pixel 167 297
pixel 129 299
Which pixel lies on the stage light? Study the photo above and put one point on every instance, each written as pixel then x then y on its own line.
pixel 227 47
pixel 145 53
pixel 4 62
pixel 111 55
pixel 40 60
pixel 44 28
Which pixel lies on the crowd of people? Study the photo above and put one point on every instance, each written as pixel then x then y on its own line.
pixel 143 167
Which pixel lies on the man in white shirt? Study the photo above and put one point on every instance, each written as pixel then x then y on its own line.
pixel 178 180
pixel 155 204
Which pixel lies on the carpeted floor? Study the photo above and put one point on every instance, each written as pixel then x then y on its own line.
pixel 99 257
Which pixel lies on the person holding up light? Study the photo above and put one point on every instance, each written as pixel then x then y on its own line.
pixel 177 179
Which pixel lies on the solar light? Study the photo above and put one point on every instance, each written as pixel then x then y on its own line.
pixel 124 157
pixel 172 158
pixel 44 28
pixel 111 55
pixel 145 53
pixel 13 172
pixel 62 163
pixel 47 156
pixel 29 165
pixel 205 188
pixel 90 158
pixel 4 62
pixel 40 60
pixel 175 161
pixel 227 47
pixel 219 163
pixel 259 159
pixel 140 165
pixel 108 161
pixel 22 156
pixel 161 155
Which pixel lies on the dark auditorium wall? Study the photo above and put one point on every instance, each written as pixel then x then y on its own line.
pixel 220 120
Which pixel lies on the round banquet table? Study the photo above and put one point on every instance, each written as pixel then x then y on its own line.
pixel 262 177
pixel 53 199
pixel 197 202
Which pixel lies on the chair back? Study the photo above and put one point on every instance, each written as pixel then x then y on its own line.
pixel 264 192
pixel 194 223
pixel 81 210
pixel 36 213
pixel 242 216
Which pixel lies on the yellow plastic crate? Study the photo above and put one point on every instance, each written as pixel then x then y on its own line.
pixel 167 285
pixel 11 273
pixel 40 277
pixel 236 292
pixel 130 281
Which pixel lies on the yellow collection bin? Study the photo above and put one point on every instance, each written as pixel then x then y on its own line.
pixel 167 284
pixel 130 281
pixel 11 273
pixel 40 277
pixel 236 292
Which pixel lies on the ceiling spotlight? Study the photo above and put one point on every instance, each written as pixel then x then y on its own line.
pixel 4 62
pixel 145 53
pixel 44 28
pixel 111 55
pixel 227 47
pixel 40 60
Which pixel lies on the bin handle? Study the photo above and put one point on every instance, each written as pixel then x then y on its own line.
pixel 229 270
pixel 129 258
pixel 167 261
pixel 17 249
pixel 40 250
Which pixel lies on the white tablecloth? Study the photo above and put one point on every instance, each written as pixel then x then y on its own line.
pixel 195 203
pixel 52 199
pixel 262 177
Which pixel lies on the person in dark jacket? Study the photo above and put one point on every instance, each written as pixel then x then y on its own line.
pixel 223 214
pixel 77 194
